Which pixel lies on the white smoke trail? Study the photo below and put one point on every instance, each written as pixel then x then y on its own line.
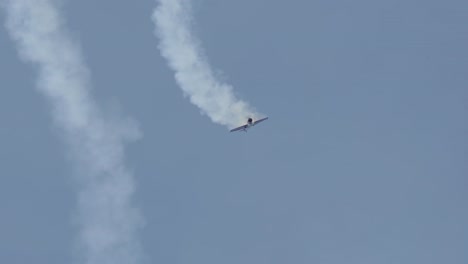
pixel 192 72
pixel 107 219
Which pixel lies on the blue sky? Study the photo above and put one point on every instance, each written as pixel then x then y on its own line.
pixel 363 159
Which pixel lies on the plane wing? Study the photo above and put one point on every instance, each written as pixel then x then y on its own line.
pixel 239 128
pixel 260 120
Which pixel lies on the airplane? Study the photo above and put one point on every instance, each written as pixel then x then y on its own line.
pixel 250 123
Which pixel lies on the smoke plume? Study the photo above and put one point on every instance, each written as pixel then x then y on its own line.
pixel 108 222
pixel 192 71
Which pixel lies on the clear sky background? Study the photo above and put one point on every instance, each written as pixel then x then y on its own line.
pixel 364 158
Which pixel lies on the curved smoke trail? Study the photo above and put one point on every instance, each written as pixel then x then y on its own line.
pixel 192 72
pixel 108 221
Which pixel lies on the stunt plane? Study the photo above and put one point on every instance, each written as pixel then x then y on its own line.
pixel 250 123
